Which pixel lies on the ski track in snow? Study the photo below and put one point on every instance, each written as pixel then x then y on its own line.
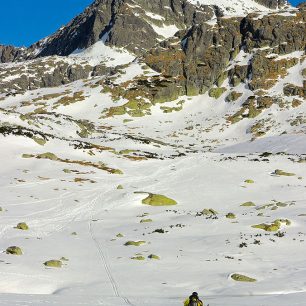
pixel 103 258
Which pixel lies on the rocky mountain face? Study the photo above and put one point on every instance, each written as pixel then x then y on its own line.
pixel 192 49
pixel 201 54
pixel 124 23
pixel 193 58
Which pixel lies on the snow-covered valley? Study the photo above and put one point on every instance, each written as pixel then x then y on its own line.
pixel 125 184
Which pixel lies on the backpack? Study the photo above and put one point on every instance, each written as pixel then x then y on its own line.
pixel 193 301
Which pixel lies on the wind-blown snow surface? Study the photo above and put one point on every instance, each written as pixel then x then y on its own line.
pixel 99 52
pixel 196 253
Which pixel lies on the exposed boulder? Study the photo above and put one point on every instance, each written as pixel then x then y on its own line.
pixel 242 278
pixel 14 250
pixel 53 263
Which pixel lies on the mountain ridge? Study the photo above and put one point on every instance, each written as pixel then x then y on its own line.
pixel 100 17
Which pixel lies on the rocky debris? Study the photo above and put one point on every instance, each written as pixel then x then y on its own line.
pixel 252 107
pixel 49 72
pixel 201 57
pixel 216 92
pixel 233 96
pixel 293 90
pixel 238 74
pixel 266 70
pixel 138 257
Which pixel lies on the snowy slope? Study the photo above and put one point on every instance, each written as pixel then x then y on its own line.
pixel 75 211
pixel 79 159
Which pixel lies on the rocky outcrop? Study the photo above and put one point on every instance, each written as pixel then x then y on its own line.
pixel 273 4
pixel 266 70
pixel 49 72
pixel 200 57
pixel 284 33
pixel 293 90
pixel 125 23
pixel 9 53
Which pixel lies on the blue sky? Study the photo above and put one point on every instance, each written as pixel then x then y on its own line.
pixel 23 22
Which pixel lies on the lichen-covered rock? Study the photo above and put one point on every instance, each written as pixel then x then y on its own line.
pixel 47 155
pixel 294 90
pixel 139 257
pixel 274 226
pixel 242 278
pixel 158 200
pixel 216 92
pixel 248 204
pixel 233 96
pixel 134 243
pixel 209 212
pixel 283 173
pixel 152 256
pixel 231 216
pixel 14 250
pixel 39 141
pixel 146 220
pixel 53 263
pixel 249 181
pixel 22 226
